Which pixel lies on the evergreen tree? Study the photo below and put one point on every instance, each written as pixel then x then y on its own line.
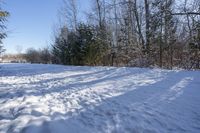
pixel 3 19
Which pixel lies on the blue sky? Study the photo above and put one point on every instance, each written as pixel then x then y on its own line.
pixel 31 22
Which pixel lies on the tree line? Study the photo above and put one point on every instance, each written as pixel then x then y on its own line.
pixel 141 33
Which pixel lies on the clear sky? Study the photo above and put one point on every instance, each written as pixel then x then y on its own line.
pixel 31 22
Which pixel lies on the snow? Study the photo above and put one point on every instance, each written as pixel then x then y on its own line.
pixel 36 98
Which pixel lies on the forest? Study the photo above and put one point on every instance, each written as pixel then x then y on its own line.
pixel 149 33
pixel 137 33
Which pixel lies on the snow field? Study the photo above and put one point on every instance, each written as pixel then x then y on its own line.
pixel 37 98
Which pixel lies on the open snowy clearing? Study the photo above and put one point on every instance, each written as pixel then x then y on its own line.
pixel 65 99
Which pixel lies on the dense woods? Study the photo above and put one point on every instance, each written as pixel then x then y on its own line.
pixel 141 33
pixel 164 33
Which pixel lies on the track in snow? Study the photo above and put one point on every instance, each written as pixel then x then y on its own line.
pixel 60 99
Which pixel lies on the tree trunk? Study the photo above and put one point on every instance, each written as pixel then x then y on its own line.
pixel 147 15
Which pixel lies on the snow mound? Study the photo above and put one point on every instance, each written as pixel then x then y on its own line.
pixel 37 98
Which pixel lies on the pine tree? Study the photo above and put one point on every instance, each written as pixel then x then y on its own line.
pixel 3 19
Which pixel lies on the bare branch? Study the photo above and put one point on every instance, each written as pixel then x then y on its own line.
pixel 186 13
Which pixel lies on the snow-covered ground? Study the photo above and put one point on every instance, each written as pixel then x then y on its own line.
pixel 65 99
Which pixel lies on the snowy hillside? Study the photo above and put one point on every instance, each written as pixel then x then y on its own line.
pixel 65 99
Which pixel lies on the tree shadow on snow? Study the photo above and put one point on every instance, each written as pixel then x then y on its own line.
pixel 112 74
pixel 133 111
